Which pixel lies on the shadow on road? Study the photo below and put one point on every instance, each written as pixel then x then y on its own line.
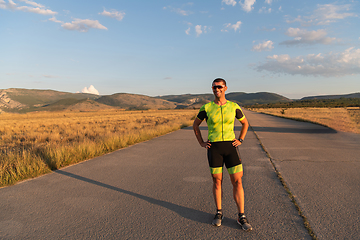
pixel 189 213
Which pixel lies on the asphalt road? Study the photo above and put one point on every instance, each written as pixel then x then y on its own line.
pixel 161 189
pixel 322 169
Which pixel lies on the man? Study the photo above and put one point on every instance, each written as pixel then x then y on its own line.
pixel 222 147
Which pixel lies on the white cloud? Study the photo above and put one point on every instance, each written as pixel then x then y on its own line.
pixel 188 23
pixel 37 10
pixel 34 8
pixel 187 31
pixel 201 29
pixel 53 19
pixel 49 76
pixel 247 5
pixel 327 65
pixel 264 46
pixel 182 12
pixel 303 36
pixel 229 2
pixel 268 1
pixel 297 19
pixel 178 10
pixel 235 26
pixel 3 4
pixel 325 14
pixel 113 14
pixel 198 30
pixel 328 13
pixel 33 3
pixel 83 25
pixel 11 5
pixel 267 30
pixel 91 90
pixel 265 10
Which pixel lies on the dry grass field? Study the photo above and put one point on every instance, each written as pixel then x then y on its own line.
pixel 36 143
pixel 340 119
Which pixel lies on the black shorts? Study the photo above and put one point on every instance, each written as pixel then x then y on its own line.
pixel 224 152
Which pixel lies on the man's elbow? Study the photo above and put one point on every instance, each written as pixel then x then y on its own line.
pixel 245 123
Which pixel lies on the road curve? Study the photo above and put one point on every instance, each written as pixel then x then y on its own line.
pixel 162 189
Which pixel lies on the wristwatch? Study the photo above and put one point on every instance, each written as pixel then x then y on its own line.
pixel 241 140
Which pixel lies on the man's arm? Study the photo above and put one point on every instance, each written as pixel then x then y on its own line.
pixel 244 129
pixel 198 136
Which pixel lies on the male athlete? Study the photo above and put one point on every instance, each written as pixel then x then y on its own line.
pixel 222 147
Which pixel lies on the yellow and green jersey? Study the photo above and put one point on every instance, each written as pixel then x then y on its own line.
pixel 220 120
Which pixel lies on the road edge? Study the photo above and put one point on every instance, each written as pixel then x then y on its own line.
pixel 287 189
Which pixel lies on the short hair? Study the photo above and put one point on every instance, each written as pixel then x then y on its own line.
pixel 220 80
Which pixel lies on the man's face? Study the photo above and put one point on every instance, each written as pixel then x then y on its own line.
pixel 219 89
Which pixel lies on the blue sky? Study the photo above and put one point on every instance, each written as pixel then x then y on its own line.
pixel 163 47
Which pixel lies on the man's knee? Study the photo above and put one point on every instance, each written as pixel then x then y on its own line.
pixel 237 183
pixel 236 180
pixel 217 180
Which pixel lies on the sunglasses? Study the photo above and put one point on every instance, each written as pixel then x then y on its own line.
pixel 217 87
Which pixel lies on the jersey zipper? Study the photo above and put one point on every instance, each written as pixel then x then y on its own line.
pixel 222 123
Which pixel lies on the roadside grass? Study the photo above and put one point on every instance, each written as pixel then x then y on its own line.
pixel 355 116
pixel 33 144
pixel 340 119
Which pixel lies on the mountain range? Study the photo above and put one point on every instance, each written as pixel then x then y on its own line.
pixel 352 95
pixel 28 100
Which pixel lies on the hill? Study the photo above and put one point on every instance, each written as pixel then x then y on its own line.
pixel 88 105
pixel 313 103
pixel 27 100
pixel 197 100
pixel 189 100
pixel 352 95
pixel 17 99
pixel 135 101
pixel 332 101
pixel 256 98
pixel 75 104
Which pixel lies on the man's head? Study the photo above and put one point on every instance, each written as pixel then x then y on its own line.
pixel 219 87
pixel 218 80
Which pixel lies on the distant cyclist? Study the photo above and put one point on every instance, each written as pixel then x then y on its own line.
pixel 222 147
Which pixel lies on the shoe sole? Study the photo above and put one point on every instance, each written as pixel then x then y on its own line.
pixel 246 230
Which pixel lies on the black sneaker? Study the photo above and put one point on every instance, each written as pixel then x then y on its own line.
pixel 217 220
pixel 243 222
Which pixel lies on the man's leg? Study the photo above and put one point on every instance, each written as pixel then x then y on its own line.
pixel 216 169
pixel 238 190
pixel 217 191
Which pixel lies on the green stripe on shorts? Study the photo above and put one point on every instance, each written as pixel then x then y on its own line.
pixel 216 170
pixel 235 169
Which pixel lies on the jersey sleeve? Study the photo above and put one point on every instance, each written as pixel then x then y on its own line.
pixel 239 113
pixel 202 113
